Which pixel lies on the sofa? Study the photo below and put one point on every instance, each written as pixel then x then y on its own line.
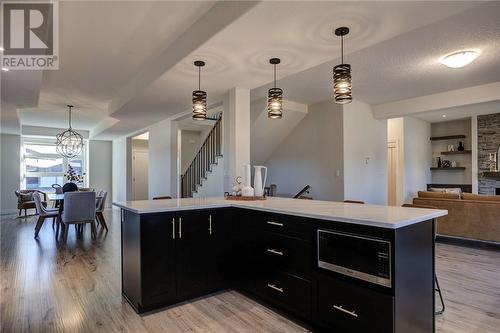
pixel 470 216
pixel 25 200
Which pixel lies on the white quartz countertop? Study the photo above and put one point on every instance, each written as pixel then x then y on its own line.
pixel 373 215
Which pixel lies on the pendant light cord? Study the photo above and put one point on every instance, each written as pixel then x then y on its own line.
pixel 342 47
pixel 274 75
pixel 199 77
pixel 69 117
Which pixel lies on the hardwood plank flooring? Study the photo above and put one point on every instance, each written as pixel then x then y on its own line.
pixel 50 287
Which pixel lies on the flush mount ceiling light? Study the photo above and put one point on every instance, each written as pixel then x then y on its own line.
pixel 5 69
pixel 459 59
pixel 342 79
pixel 274 96
pixel 69 143
pixel 199 96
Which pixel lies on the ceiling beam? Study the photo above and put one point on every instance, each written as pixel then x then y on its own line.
pixel 449 99
pixel 217 18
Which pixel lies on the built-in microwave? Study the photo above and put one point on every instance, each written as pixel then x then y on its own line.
pixel 358 256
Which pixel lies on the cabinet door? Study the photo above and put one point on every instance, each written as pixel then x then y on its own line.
pixel 158 259
pixel 219 249
pixel 192 240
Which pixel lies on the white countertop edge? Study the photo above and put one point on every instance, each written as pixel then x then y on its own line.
pixel 387 225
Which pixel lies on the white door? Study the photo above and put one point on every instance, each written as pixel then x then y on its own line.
pixel 140 175
pixel 392 167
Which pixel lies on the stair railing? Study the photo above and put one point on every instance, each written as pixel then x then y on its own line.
pixel 207 156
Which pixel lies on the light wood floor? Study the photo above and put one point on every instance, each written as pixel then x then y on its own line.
pixel 47 287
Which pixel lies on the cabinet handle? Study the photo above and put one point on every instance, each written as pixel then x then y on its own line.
pixel 340 308
pixel 272 286
pixel 210 224
pixel 273 251
pixel 275 223
pixel 173 227
pixel 180 227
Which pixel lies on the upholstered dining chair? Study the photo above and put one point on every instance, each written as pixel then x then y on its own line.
pixel 79 208
pixel 438 288
pixel 101 202
pixel 43 213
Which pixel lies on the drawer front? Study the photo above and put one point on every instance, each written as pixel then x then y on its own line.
pixel 286 253
pixel 284 224
pixel 286 290
pixel 353 308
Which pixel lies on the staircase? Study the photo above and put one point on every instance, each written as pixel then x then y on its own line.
pixel 204 161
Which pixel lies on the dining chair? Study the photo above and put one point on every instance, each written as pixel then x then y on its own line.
pixel 43 213
pixel 79 208
pixel 101 202
pixel 438 288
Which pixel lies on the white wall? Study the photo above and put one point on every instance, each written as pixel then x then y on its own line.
pixel 120 166
pixel 161 154
pixel 418 157
pixel 311 154
pixel 213 186
pixel 190 145
pixel 100 167
pixel 365 154
pixel 9 171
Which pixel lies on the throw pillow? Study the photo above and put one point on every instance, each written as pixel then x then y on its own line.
pixel 25 197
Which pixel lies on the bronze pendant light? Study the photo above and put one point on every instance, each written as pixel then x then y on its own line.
pixel 69 143
pixel 342 79
pixel 275 96
pixel 199 96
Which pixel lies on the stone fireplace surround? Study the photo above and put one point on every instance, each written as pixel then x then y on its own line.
pixel 488 141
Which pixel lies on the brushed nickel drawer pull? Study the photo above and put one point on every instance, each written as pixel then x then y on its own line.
pixel 340 308
pixel 275 223
pixel 272 286
pixel 210 224
pixel 173 227
pixel 273 251
pixel 180 227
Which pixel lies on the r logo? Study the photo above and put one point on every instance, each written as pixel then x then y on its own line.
pixel 28 29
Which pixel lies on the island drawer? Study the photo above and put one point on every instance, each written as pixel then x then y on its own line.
pixel 284 224
pixel 287 290
pixel 285 252
pixel 353 308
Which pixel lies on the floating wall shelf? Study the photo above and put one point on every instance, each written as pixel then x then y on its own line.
pixel 457 152
pixel 448 137
pixel 448 169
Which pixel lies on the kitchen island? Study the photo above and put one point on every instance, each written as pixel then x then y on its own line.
pixel 333 266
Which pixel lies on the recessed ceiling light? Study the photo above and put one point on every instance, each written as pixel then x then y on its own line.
pixel 459 59
pixel 5 69
pixel 2 49
pixel 444 116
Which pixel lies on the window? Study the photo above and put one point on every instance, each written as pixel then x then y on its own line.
pixel 43 166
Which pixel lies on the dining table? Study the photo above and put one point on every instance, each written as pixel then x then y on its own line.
pixel 59 199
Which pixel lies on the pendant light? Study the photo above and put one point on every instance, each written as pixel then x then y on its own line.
pixel 199 96
pixel 69 143
pixel 342 79
pixel 275 96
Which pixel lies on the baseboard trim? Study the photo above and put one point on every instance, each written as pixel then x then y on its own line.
pixel 469 242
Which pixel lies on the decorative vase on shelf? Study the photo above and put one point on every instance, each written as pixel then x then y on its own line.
pixel 460 146
pixel 446 164
pixel 439 164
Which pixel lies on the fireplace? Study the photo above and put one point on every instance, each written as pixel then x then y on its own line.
pixel 497 191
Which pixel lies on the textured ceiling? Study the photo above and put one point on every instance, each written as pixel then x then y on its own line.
pixel 112 68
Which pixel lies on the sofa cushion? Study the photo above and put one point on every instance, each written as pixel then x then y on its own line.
pixel 480 197
pixel 438 195
pixel 455 190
